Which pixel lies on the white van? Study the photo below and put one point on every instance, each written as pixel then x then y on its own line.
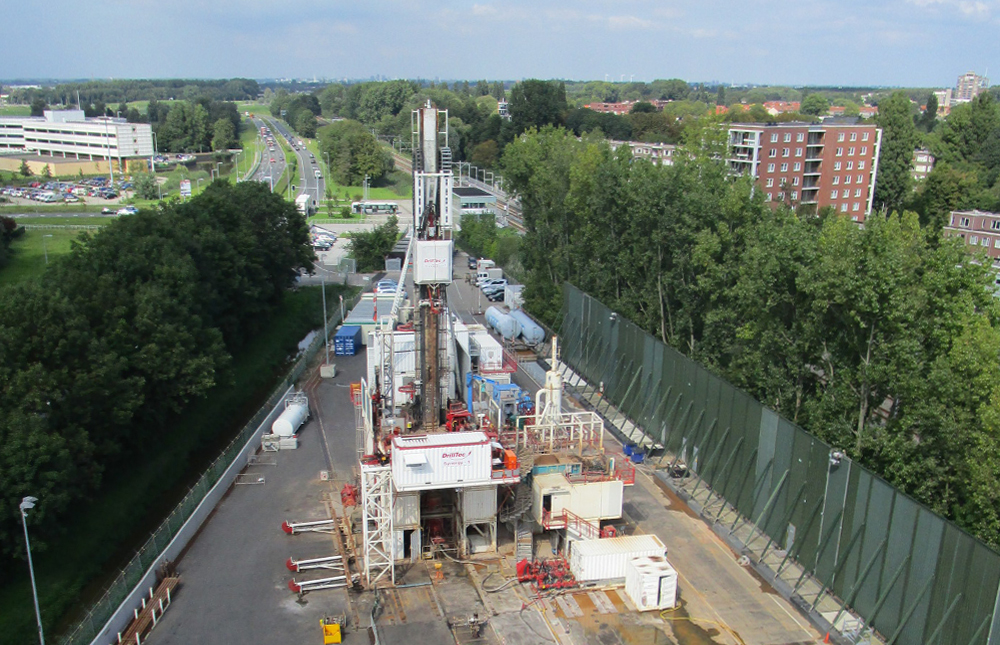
pixel 318 173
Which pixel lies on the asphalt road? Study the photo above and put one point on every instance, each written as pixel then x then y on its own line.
pixel 306 182
pixel 269 171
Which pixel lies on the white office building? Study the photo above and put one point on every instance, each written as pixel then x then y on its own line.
pixel 70 135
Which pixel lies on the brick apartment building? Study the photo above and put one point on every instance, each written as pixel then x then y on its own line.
pixel 826 164
pixel 979 229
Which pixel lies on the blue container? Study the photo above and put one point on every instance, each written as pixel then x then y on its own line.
pixel 628 449
pixel 347 341
pixel 637 457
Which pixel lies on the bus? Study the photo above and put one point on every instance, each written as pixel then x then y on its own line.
pixel 389 208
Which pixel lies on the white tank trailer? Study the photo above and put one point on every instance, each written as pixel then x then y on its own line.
pixel 531 332
pixel 504 324
pixel 295 414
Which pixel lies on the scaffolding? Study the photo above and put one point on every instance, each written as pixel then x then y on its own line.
pixel 563 432
pixel 376 503
pixel 362 418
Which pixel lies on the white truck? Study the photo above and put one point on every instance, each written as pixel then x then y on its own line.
pixel 306 204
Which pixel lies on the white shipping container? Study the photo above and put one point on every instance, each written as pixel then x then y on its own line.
pixel 651 583
pixel 479 503
pixel 490 352
pixel 406 510
pixel 432 262
pixel 607 558
pixel 445 460
pixel 512 296
pixel 597 500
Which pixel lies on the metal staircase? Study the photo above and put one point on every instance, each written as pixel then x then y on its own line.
pixel 520 506
pixel 525 542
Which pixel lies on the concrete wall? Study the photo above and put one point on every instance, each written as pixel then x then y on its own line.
pixel 123 616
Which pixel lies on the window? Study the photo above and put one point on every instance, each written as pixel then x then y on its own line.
pixel 784 152
pixel 798 152
pixel 770 167
pixel 769 197
pixel 847 193
pixel 836 166
pixel 861 178
pixel 840 152
pixel 773 152
pixel 788 137
pixel 857 193
pixel 833 194
pixel 781 196
pixel 995 225
pixel 774 137
pixel 973 240
pixel 864 150
pixel 840 136
pixel 843 207
pixel 770 182
pixel 996 243
pixel 795 181
pixel 797 166
pixel 850 151
pixel 985 242
pixel 784 167
pixel 861 165
pixel 856 206
pixel 836 180
pixel 795 196
pixel 799 138
pixel 854 136
pixel 965 221
pixel 850 165
pixel 864 136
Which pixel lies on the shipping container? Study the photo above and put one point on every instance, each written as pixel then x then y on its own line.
pixel 446 460
pixel 651 583
pixel 608 558
pixel 597 500
pixel 479 504
pixel 513 297
pixel 551 493
pixel 347 340
pixel 406 510
pixel 432 262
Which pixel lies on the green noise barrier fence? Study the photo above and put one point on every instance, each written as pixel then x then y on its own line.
pixel 133 572
pixel 914 576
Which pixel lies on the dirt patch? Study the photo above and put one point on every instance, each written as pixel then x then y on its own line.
pixel 676 504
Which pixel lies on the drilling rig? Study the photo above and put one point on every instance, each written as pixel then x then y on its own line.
pixel 432 262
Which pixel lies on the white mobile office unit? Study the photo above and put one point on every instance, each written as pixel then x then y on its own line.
pixel 651 583
pixel 608 558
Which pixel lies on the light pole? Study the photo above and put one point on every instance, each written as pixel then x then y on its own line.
pixel 28 503
pixel 218 170
pixel 326 331
pixel 237 165
pixel 45 249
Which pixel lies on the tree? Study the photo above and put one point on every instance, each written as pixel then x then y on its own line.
pixel 223 136
pixel 353 152
pixel 814 105
pixel 145 186
pixel 305 124
pixel 370 248
pixel 899 138
pixel 643 107
pixel 497 91
pixel 25 170
pixel 46 172
pixel 720 95
pixel 485 154
pixel 535 103
pixel 928 119
pixel 482 88
pixel 38 106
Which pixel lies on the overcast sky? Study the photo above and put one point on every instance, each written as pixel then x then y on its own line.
pixel 798 42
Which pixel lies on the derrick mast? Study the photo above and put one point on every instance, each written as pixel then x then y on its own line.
pixel 432 259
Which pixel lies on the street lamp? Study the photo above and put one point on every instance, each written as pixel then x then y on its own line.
pixel 28 503
pixel 45 250
pixel 218 170
pixel 237 164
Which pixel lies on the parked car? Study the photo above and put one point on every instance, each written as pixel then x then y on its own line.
pixel 473 263
pixel 128 210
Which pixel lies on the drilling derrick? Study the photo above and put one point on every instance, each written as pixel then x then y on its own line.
pixel 432 258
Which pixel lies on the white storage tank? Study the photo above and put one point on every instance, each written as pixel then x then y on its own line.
pixel 651 583
pixel 295 414
pixel 445 460
pixel 531 332
pixel 503 323
pixel 608 558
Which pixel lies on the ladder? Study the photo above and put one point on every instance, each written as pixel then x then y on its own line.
pixel 525 542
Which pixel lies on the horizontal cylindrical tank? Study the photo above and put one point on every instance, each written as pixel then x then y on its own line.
pixel 504 324
pixel 531 332
pixel 291 419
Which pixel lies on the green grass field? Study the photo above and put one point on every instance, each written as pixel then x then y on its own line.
pixel 253 108
pixel 102 534
pixel 28 251
pixel 15 110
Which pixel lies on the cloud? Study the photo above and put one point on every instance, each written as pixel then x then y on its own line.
pixel 967 8
pixel 628 23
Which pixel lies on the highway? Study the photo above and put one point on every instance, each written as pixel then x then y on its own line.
pixel 307 182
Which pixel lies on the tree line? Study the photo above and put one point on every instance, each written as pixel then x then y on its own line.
pixel 113 340
pixel 194 126
pixel 107 92
pixel 882 340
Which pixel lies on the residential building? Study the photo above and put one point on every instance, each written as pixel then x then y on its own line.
pixel 774 108
pixel 69 135
pixel 623 107
pixel 944 98
pixel 659 153
pixel 923 163
pixel 833 163
pixel 969 86
pixel 980 231
pixel 503 110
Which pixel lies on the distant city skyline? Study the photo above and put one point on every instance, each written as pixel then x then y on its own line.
pixel 904 43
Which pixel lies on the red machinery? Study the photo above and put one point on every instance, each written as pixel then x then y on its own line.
pixel 547 574
pixel 458 418
pixel 349 495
